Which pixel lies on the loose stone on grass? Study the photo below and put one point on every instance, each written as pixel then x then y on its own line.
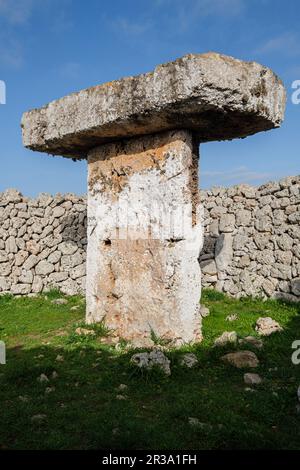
pixel 84 332
pixel 228 337
pixel 59 301
pixel 251 340
pixel 232 317
pixel 43 378
pixel 265 326
pixel 189 360
pixel 122 387
pixel 38 418
pixel 252 379
pixel 241 359
pixel 204 311
pixel 149 360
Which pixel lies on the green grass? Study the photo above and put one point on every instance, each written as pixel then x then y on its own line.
pixel 83 411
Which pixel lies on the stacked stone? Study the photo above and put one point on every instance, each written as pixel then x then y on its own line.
pixel 252 239
pixel 42 243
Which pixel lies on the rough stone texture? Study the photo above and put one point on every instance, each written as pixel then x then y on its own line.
pixel 252 238
pixel 155 358
pixel 34 236
pixel 241 359
pixel 228 337
pixel 215 96
pixel 145 237
pixel 265 326
pixel 251 340
pixel 252 379
pixel 188 360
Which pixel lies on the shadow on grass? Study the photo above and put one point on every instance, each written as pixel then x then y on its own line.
pixel 84 407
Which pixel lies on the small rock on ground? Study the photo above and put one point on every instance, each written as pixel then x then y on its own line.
pixel 252 379
pixel 196 423
pixel 255 342
pixel 265 326
pixel 121 397
pixel 59 301
pixel 38 418
pixel 85 332
pixel 43 378
pixel 241 359
pixel 24 398
pixel 122 387
pixel 188 360
pixel 154 358
pixel 228 337
pixel 232 317
pixel 204 311
pixel 74 308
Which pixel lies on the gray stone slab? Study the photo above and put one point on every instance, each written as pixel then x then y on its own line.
pixel 215 96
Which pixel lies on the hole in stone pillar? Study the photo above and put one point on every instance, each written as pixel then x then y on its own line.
pixel 107 242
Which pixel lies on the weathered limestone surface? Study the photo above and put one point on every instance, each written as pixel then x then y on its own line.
pixel 145 237
pixel 216 96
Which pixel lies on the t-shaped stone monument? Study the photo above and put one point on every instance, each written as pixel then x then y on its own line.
pixel 141 138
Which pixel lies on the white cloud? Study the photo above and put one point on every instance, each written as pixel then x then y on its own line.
pixel 287 43
pixel 11 53
pixel 70 70
pixel 62 23
pixel 16 11
pixel 181 15
pixel 231 7
pixel 221 7
pixel 128 27
pixel 240 174
pixel 184 17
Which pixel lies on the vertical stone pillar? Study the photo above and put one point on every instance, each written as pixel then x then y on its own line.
pixel 145 237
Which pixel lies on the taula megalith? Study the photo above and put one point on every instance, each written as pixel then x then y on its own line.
pixel 141 136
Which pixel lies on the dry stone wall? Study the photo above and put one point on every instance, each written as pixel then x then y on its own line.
pixel 42 243
pixel 252 239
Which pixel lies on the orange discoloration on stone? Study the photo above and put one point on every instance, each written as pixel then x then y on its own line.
pixel 112 164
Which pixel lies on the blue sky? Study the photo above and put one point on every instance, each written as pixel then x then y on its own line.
pixel 49 48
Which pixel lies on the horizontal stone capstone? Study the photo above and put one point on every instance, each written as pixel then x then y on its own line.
pixel 216 96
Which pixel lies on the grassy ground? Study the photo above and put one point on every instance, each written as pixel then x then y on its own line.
pixel 81 409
